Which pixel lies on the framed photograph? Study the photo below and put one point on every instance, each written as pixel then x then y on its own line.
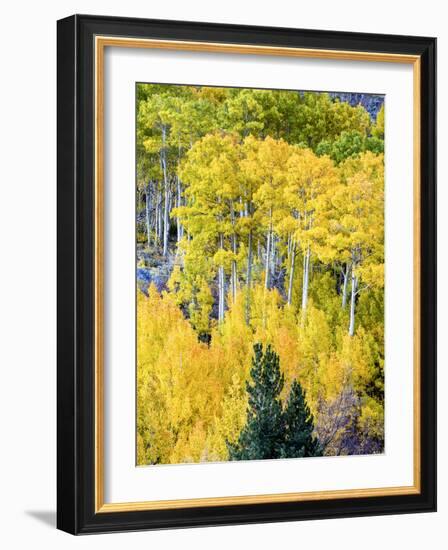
pixel 246 274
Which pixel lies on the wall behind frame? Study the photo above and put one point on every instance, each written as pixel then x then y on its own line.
pixel 27 276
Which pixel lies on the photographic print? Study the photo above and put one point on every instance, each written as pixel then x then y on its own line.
pixel 260 274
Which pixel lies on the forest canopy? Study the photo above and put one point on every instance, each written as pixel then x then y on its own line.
pixel 260 225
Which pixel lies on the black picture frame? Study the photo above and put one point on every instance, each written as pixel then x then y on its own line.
pixel 76 272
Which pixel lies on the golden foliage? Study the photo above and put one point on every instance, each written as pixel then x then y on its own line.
pixel 276 244
pixel 191 396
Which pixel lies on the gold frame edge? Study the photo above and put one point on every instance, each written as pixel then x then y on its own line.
pixel 101 42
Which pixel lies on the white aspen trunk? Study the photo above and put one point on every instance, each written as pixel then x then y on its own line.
pixel 180 229
pixel 160 226
pixel 221 285
pixel 345 286
pixel 222 296
pixel 234 275
pixel 306 277
pixel 241 208
pixel 291 272
pixel 268 254
pixel 268 251
pixel 148 214
pixel 290 244
pixel 156 219
pixel 166 220
pixel 220 316
pixel 249 276
pixel 234 280
pixel 178 204
pixel 273 254
pixel 351 328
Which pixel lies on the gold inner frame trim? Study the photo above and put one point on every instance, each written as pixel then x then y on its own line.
pixel 101 42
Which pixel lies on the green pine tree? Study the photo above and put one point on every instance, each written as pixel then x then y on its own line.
pixel 262 436
pixel 298 435
pixel 271 432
